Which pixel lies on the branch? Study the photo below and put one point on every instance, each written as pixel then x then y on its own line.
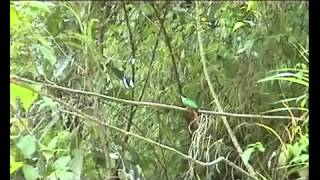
pixel 167 40
pixel 150 67
pixel 133 108
pixel 156 105
pixel 150 141
pixel 144 85
pixel 133 48
pixel 215 97
pixel 103 25
pixel 133 56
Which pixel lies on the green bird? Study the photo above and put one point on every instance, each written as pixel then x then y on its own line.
pixel 189 102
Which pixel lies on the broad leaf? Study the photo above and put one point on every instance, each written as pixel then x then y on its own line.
pixel 13 17
pixel 247 154
pixel 237 26
pixel 30 173
pixel 27 145
pixel 26 96
pixel 76 164
pixel 14 166
pixel 61 163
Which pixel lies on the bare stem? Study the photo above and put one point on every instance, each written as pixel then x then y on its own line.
pixel 215 97
pixel 151 104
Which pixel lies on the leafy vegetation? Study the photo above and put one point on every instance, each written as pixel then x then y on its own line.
pixel 102 90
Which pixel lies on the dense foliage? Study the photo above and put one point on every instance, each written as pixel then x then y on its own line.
pixel 75 64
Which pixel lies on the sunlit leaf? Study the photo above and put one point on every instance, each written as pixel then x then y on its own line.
pixel 285 109
pixel 19 125
pixel 29 172
pixel 282 159
pixel 65 175
pixel 61 163
pixel 146 8
pixel 290 77
pixel 304 102
pixel 76 164
pixel 13 17
pixel 251 149
pixel 26 95
pixel 14 166
pixel 47 153
pixel 237 26
pixel 27 145
pixel 251 5
pixel 247 154
pixel 89 36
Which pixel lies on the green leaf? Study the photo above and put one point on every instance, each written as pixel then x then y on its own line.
pixel 285 155
pixel 61 163
pixel 48 54
pixel 47 103
pixel 246 155
pixel 13 17
pixel 47 153
pixel 146 9
pixel 29 172
pixel 251 5
pixel 290 77
pixel 300 159
pixel 257 146
pixel 76 164
pixel 53 143
pixel 27 145
pixel 250 149
pixel 189 102
pixel 14 166
pixel 238 25
pixel 65 175
pixel 26 96
pixel 19 124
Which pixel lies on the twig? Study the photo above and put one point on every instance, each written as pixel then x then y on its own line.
pixel 156 105
pixel 82 115
pixel 167 41
pixel 93 119
pixel 215 97
pixel 144 85
pixel 133 56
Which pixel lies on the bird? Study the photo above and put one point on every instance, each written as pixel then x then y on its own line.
pixel 192 109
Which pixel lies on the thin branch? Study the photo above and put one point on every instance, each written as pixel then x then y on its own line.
pixel 133 56
pixel 215 97
pixel 150 141
pixel 167 40
pixel 133 48
pixel 103 26
pixel 85 116
pixel 156 105
pixel 150 67
pixel 144 86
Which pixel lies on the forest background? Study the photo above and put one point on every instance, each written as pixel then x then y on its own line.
pixel 159 90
